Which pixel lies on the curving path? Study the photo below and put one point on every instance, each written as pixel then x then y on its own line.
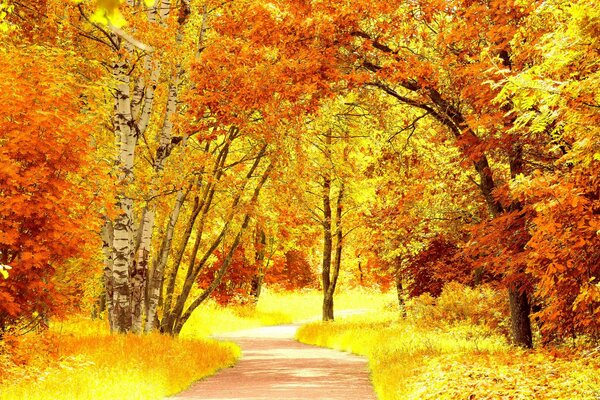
pixel 274 366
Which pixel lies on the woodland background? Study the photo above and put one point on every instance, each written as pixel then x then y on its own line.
pixel 157 156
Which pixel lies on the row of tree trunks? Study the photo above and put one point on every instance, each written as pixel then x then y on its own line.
pixel 132 292
pixel 156 276
pixel 201 206
pixel 181 316
pixel 172 320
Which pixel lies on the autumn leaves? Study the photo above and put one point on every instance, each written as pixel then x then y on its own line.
pixel 479 135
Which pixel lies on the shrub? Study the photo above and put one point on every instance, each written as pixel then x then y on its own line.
pixel 481 305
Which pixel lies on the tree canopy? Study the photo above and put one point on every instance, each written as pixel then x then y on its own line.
pixel 208 147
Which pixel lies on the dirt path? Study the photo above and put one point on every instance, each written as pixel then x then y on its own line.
pixel 274 366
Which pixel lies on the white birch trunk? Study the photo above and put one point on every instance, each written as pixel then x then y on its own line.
pixel 107 245
pixel 140 272
pixel 123 224
pixel 141 114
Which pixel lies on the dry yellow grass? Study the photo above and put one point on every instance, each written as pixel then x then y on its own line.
pixel 424 358
pixel 83 362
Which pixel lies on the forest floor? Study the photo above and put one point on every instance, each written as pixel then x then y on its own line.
pixel 275 366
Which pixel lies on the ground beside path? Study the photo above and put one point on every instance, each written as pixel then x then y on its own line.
pixel 274 366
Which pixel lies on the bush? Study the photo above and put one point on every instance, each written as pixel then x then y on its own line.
pixel 457 303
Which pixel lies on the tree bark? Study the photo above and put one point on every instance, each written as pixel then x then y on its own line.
pixel 257 279
pixel 193 270
pixel 123 226
pixel 450 116
pixel 140 271
pixel 520 308
pixel 328 309
pixel 327 249
pixel 107 243
pixel 400 293
pixel 157 275
pixel 519 316
pixel 202 206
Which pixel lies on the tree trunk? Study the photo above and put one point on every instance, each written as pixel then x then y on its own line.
pixel 201 204
pixel 327 249
pixel 140 271
pixel 337 259
pixel 400 294
pixel 123 226
pixel 519 303
pixel 519 316
pixel 328 308
pixel 180 317
pixel 177 316
pixel 162 153
pixel 156 277
pixel 450 116
pixel 107 243
pixel 257 279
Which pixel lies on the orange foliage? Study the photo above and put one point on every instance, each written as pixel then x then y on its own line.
pixel 44 143
pixel 294 272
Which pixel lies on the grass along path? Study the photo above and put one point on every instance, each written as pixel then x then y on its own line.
pixel 114 367
pixel 78 359
pixel 277 308
pixel 442 351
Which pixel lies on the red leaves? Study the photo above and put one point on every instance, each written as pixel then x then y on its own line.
pixel 439 263
pixel 236 286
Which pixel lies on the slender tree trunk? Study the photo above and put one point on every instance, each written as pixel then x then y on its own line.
pixel 140 284
pixel 519 305
pixel 327 250
pixel 176 315
pixel 257 279
pixel 107 243
pixel 140 271
pixel 520 308
pixel 182 317
pixel 201 204
pixel 400 293
pixel 337 258
pixel 156 278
